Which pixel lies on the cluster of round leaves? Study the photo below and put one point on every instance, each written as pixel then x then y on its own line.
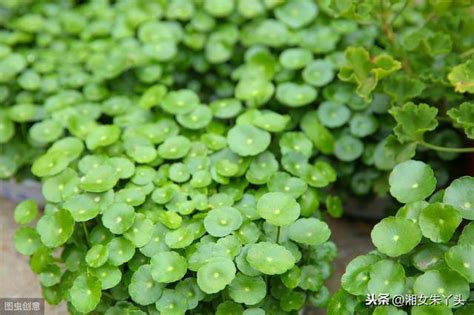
pixel 151 214
pixel 425 249
pixel 278 55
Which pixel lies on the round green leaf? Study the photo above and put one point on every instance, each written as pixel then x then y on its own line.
pixel 121 250
pixel 318 73
pixel 46 131
pixel 215 275
pixel 82 207
pixel 296 142
pixel 270 259
pixel 282 182
pixel 85 293
pixel 460 195
pixel 99 179
pixel 356 278
pixel 108 275
pixel 97 255
pixel 171 303
pixel 26 240
pixel 310 231
pixel 191 291
pixel 387 276
pixel 26 211
pixel 247 140
pixel 438 222
pixel 226 108
pixel 102 136
pixel 295 95
pixel 363 125
pixel 295 58
pixel 297 13
pixel 222 221
pixel 180 102
pixel 197 118
pixel 118 217
pixel 395 236
pixel 429 256
pixel 441 282
pixel 411 181
pixel 247 290
pixel 142 288
pixel 50 276
pixel 278 208
pixel 333 114
pixel 460 258
pixel 167 267
pixel 55 228
pixel 174 147
pixel 348 148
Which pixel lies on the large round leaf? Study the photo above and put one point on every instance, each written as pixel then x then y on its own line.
pixel 247 290
pixel 269 258
pixel 396 236
pixel 85 293
pixel 460 195
pixel 442 282
pixel 438 222
pixel 412 181
pixel 222 221
pixel 247 140
pixel 278 208
pixel 310 231
pixel 387 276
pixel 215 275
pixel 460 258
pixel 142 288
pixel 167 267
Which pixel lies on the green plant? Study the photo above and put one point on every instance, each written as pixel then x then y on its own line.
pixel 169 132
pixel 426 249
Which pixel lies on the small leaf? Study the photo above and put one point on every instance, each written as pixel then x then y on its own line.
pixel 26 211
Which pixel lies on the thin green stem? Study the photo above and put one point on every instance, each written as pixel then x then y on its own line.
pixel 444 149
pixel 400 12
pixel 108 295
pixel 278 235
pixel 86 233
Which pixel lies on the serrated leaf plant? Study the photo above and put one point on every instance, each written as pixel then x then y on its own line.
pixel 424 250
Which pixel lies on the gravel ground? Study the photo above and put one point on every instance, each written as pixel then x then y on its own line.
pixel 352 238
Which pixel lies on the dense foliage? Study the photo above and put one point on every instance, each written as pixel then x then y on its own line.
pixel 425 250
pixel 191 147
